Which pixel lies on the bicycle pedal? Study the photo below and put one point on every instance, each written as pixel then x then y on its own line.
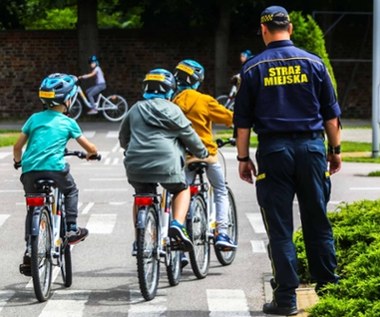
pixel 25 269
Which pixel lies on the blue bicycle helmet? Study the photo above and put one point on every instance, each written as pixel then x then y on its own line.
pixel 57 88
pixel 93 59
pixel 158 83
pixel 189 73
pixel 247 53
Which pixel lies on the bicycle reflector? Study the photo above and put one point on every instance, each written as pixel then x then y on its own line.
pixel 194 190
pixel 35 201
pixel 143 200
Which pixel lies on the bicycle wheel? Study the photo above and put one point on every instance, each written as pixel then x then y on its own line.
pixel 75 109
pixel 173 264
pixel 198 229
pixel 115 108
pixel 41 262
pixel 148 261
pixel 222 99
pixel 227 257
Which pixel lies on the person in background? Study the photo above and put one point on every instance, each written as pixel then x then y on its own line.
pixel 287 97
pixel 100 82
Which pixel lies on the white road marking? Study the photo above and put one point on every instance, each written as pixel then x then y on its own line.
pixel 112 134
pixel 227 303
pixel 66 303
pixel 364 188
pixel 116 148
pixel 5 191
pixel 4 298
pixel 258 246
pixel 4 154
pixel 256 222
pixel 115 161
pixel 87 208
pixel 106 189
pixel 3 218
pixel 89 134
pixel 101 223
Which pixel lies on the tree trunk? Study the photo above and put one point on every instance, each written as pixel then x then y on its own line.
pixel 221 47
pixel 87 27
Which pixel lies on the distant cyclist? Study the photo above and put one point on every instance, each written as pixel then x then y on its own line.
pixel 45 135
pixel 203 110
pixel 244 56
pixel 154 134
pixel 100 82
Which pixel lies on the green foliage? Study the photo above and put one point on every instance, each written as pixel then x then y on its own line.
pixel 308 35
pixel 357 238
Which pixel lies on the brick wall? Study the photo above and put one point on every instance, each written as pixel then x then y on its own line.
pixel 126 55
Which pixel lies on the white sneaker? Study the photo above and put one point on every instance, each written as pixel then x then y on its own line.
pixel 92 111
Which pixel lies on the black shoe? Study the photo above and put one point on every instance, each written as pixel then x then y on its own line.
pixel 272 282
pixel 77 236
pixel 273 309
pixel 184 260
pixel 26 268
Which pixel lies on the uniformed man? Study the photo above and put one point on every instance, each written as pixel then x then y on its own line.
pixel 286 95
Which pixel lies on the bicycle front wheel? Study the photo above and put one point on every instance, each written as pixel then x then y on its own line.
pixel 75 109
pixel 148 259
pixel 198 230
pixel 115 108
pixel 41 261
pixel 227 257
pixel 222 99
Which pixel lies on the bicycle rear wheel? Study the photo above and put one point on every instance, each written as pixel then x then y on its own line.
pixel 227 257
pixel 148 261
pixel 41 262
pixel 198 228
pixel 75 109
pixel 115 108
pixel 65 256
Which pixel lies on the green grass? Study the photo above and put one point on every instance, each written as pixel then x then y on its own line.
pixel 8 137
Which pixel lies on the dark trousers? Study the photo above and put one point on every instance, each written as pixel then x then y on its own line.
pixel 289 166
pixel 65 183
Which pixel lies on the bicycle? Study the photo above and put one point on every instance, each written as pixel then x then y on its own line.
pixel 229 100
pixel 201 219
pixel 114 107
pixel 153 242
pixel 47 242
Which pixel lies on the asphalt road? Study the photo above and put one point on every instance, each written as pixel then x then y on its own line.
pixel 105 279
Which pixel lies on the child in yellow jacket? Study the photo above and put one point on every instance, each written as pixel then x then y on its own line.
pixel 203 110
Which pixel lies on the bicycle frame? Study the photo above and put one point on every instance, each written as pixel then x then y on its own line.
pixel 101 103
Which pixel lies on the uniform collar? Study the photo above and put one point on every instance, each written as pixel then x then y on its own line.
pixel 282 43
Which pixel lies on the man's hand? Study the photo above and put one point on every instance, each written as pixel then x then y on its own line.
pixel 247 171
pixel 335 161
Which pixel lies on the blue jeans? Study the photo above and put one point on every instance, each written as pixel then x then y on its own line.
pixel 289 166
pixel 216 177
pixel 94 91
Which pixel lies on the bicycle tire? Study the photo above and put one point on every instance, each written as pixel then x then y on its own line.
pixel 41 262
pixel 65 255
pixel 121 110
pixel 222 99
pixel 148 261
pixel 227 257
pixel 226 101
pixel 197 227
pixel 75 109
pixel 173 264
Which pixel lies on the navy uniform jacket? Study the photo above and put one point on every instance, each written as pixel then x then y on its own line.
pixel 285 89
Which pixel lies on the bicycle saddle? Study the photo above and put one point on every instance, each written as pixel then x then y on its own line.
pixel 43 183
pixel 197 166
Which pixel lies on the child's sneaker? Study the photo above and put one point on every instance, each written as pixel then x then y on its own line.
pixel 75 234
pixel 224 242
pixel 26 268
pixel 184 260
pixel 134 248
pixel 179 233
pixel 93 111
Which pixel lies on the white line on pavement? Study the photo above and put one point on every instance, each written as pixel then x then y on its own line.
pixel 87 208
pixel 112 134
pixel 101 223
pixel 258 246
pixel 4 297
pixel 256 222
pixel 106 189
pixel 227 302
pixel 153 308
pixel 364 188
pixel 89 134
pixel 3 218
pixel 4 154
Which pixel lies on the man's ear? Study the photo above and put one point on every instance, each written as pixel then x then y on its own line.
pixel 290 28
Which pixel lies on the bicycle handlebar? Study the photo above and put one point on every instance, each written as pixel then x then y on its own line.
pixel 222 143
pixel 82 155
